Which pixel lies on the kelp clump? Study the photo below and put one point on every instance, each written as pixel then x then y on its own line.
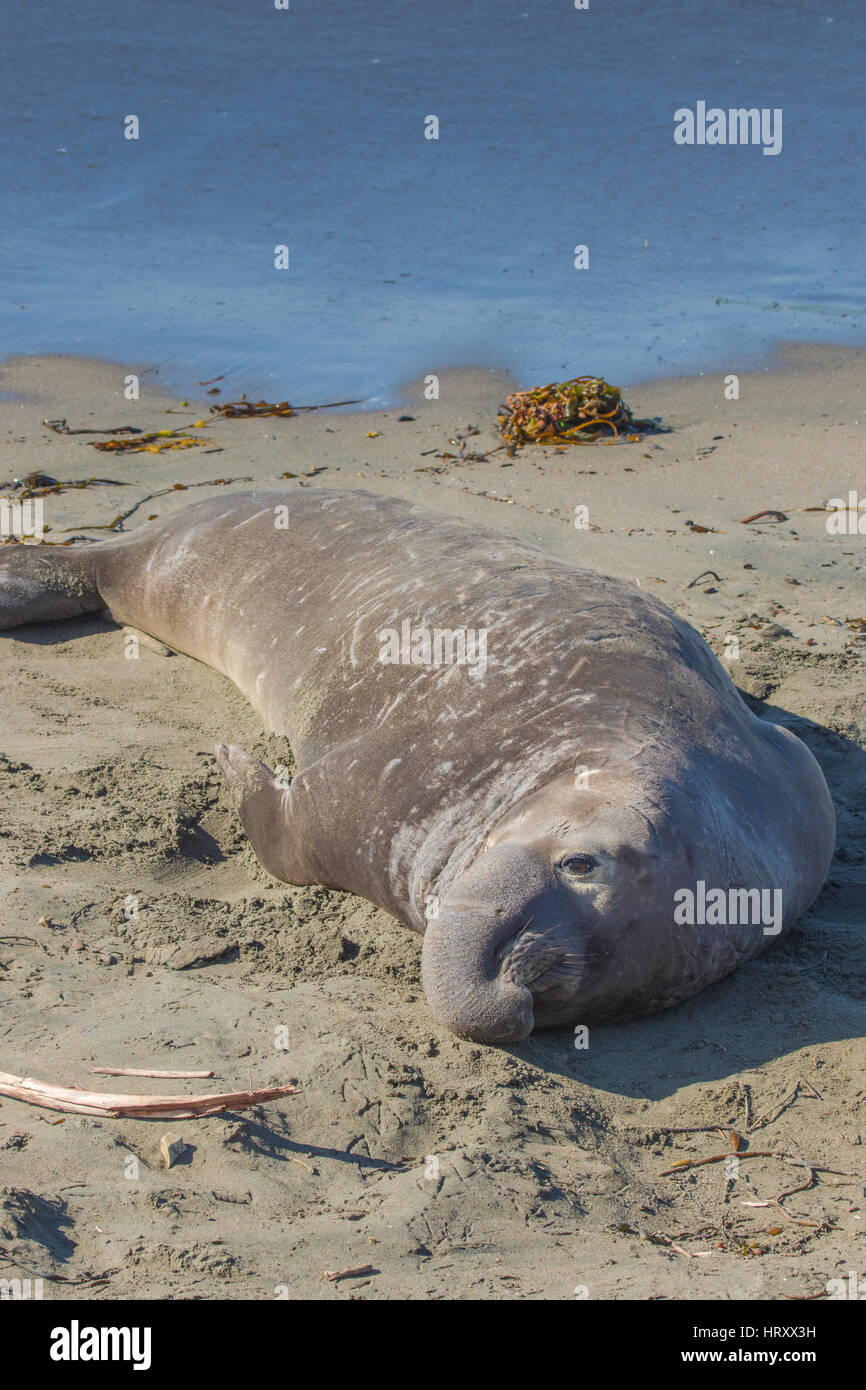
pixel 568 412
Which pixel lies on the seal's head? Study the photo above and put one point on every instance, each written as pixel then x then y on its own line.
pixel 568 912
pixel 515 941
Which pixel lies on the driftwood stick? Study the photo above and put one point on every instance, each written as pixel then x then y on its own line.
pixel 119 1106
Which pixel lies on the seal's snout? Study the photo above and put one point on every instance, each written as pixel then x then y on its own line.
pixel 468 993
pixel 484 960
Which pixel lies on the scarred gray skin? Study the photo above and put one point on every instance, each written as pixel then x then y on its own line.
pixel 603 726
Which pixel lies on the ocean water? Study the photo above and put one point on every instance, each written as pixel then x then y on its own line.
pixel 305 127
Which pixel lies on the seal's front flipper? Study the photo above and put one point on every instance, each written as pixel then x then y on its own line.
pixel 268 812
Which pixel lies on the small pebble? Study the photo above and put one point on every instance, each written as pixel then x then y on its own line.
pixel 172 1147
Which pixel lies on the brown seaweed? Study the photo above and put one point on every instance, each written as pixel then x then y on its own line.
pixel 41 484
pixel 245 410
pixel 578 411
pixel 61 427
pixel 155 443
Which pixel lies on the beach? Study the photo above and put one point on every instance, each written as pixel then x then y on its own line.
pixel 139 931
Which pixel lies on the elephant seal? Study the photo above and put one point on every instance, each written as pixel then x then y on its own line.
pixel 555 801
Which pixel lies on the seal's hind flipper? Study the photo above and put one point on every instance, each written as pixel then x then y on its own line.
pixel 267 810
pixel 39 583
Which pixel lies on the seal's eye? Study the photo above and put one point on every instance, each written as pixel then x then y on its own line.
pixel 579 864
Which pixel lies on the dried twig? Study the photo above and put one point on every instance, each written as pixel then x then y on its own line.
pixel 736 1140
pixel 685 1163
pixel 747 1103
pixel 142 1071
pixel 707 574
pixel 776 1111
pixel 335 1274
pixel 777 1201
pixel 15 1258
pixel 301 1164
pixel 690 1129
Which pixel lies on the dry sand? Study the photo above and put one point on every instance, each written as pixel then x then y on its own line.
pixel 547 1179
